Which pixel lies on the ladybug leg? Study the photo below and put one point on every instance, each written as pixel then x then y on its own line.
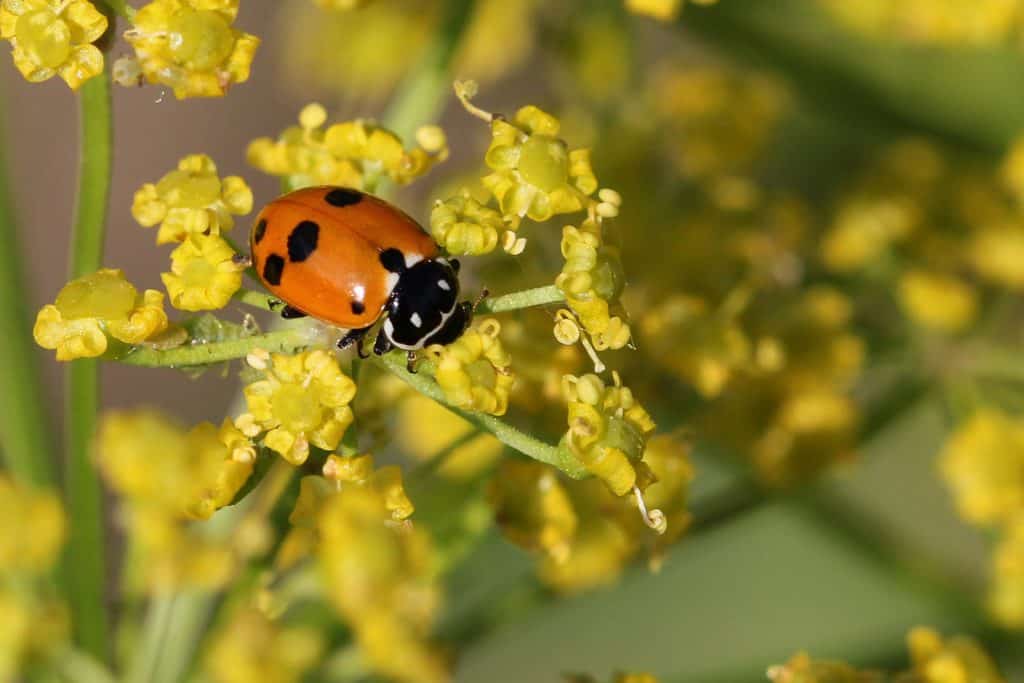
pixel 354 337
pixel 410 362
pixel 289 312
pixel 484 293
pixel 382 345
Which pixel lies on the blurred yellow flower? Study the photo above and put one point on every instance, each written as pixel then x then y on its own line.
pixel 983 463
pixel 350 154
pixel 532 508
pixel 190 200
pixel 35 530
pixel 191 46
pixel 938 301
pixel 379 577
pixel 608 430
pixel 863 229
pixel 427 429
pixel 1006 594
pixel 663 10
pixel 802 669
pixel 535 173
pixel 31 628
pixel 302 400
pixel 958 659
pixel 359 470
pixel 995 254
pixel 54 38
pixel 204 274
pixel 94 306
pixel 475 370
pixel 251 648
pixel 940 22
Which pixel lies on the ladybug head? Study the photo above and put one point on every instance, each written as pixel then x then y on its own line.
pixel 423 308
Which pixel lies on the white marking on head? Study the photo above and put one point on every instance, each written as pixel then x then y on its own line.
pixel 443 284
pixel 412 259
pixel 391 281
pixel 416 320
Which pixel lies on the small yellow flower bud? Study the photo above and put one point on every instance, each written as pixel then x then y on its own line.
pixel 474 371
pixel 204 275
pixel 312 116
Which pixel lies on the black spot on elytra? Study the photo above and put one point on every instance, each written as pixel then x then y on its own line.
pixel 302 241
pixel 358 307
pixel 342 197
pixel 272 269
pixel 393 260
pixel 261 229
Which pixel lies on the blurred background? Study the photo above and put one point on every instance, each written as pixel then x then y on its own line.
pixel 821 208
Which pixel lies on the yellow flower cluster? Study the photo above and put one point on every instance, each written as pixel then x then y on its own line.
pixel 379 576
pixel 592 278
pixel 351 154
pixel 464 226
pixel 427 429
pixel 302 399
pixel 251 648
pixel 474 371
pixel 192 200
pixel 193 207
pixel 939 22
pixel 583 533
pixel 945 229
pixel 94 308
pixel 54 38
pixel 608 431
pixel 29 546
pixel 190 46
pixel 933 659
pixel 620 677
pixel 663 10
pixel 983 464
pixel 169 476
pixel 793 415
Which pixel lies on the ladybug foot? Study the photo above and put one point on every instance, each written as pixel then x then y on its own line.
pixel 484 293
pixel 410 362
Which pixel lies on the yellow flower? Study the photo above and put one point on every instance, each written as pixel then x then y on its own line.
pixel 426 429
pixel 379 577
pixel 669 461
pixel 345 153
pixel 54 38
pixel 535 173
pixel 191 47
pixel 35 530
pixel 532 508
pixel 591 279
pixel 995 254
pixel 864 227
pixel 983 463
pixel 1006 594
pixel 342 4
pixel 474 371
pixel 599 552
pixel 204 274
pixel 358 470
pixel 662 10
pixel 303 400
pixel 31 629
pixel 251 648
pixel 608 430
pixel 940 22
pixel 167 476
pixel 802 669
pixel 94 306
pixel 190 200
pixel 951 660
pixel 462 225
pixel 938 301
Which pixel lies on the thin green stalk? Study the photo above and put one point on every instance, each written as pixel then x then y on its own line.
pixel 254 299
pixel 422 94
pixel 556 456
pixel 146 660
pixel 25 442
pixel 528 298
pixel 120 8
pixel 287 340
pixel 85 566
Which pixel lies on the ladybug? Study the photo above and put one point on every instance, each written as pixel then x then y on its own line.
pixel 348 258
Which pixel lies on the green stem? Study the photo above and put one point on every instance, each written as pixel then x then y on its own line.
pixel 24 433
pixel 158 617
pixel 74 666
pixel 254 299
pixel 280 341
pixel 556 456
pixel 85 566
pixel 120 8
pixel 528 298
pixel 422 94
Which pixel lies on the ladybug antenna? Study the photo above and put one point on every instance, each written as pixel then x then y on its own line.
pixel 484 293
